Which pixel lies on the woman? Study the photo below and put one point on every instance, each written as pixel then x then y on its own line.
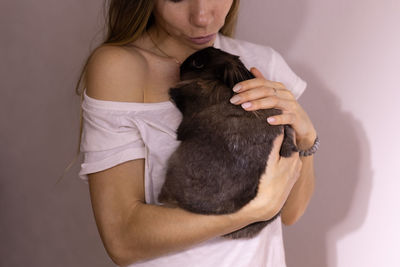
pixel 129 132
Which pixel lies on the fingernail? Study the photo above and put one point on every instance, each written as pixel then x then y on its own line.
pixel 237 88
pixel 271 120
pixel 246 105
pixel 235 99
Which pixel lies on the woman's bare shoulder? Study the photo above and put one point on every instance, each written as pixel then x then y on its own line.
pixel 116 73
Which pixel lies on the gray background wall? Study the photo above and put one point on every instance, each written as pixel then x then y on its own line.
pixel 346 50
pixel 43 44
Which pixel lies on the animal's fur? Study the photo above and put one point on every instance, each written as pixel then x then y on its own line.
pixel 224 149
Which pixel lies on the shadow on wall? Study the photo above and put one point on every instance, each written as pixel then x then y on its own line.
pixel 343 164
pixel 343 180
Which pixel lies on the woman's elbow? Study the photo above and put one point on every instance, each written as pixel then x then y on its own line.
pixel 290 220
pixel 123 255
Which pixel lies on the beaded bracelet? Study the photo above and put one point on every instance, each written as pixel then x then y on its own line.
pixel 311 150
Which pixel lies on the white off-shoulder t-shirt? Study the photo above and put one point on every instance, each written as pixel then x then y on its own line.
pixel 116 132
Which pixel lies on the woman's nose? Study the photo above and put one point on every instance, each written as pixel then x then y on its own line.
pixel 201 13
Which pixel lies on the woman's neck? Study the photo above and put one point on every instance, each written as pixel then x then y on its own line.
pixel 164 44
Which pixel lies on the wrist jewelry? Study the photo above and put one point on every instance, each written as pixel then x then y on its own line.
pixel 311 150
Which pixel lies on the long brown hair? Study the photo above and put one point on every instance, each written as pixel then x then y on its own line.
pixel 126 21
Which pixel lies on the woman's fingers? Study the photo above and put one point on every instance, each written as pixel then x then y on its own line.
pixel 257 82
pixel 260 93
pixel 270 102
pixel 255 93
pixel 289 165
pixel 277 181
pixel 276 147
pixel 256 72
pixel 253 96
pixel 285 118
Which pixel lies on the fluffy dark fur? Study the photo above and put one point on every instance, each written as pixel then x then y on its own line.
pixel 224 149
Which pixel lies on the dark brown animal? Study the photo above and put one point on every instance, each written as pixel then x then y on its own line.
pixel 224 149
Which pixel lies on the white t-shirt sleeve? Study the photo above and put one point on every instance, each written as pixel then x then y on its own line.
pixel 110 136
pixel 281 72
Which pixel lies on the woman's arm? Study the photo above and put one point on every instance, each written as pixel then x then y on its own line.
pixel 259 93
pixel 132 230
pixel 303 189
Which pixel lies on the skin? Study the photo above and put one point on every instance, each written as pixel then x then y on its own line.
pixel 176 22
pixel 132 230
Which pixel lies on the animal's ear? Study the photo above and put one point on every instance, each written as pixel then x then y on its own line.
pixel 177 97
pixel 235 72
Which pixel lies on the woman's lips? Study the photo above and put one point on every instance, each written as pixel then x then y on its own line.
pixel 203 39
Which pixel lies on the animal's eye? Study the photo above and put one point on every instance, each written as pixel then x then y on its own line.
pixel 197 64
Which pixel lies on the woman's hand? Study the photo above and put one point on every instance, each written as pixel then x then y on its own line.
pixel 275 184
pixel 260 93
